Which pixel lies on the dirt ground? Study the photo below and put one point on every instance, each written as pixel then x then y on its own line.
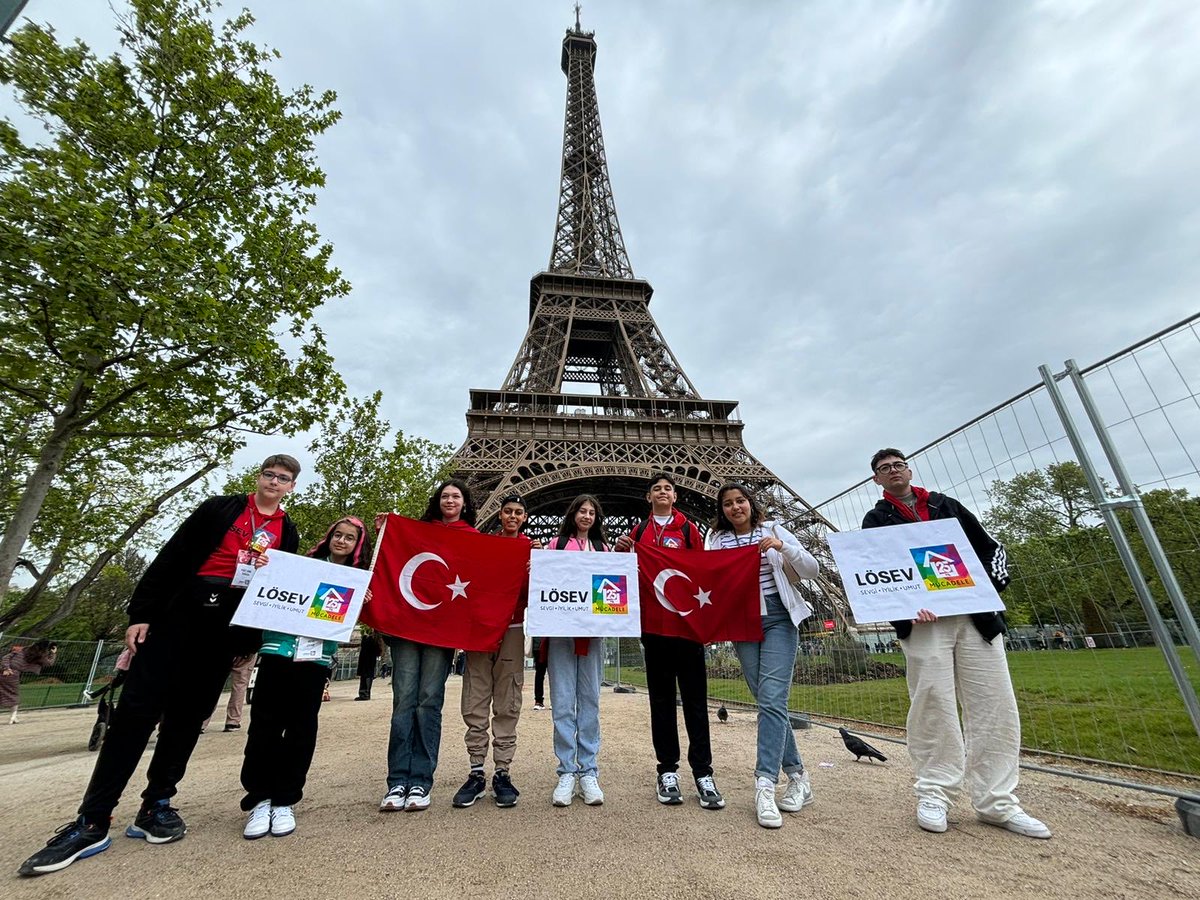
pixel 858 840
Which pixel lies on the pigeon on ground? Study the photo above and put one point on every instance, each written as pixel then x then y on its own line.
pixel 860 748
pixel 722 714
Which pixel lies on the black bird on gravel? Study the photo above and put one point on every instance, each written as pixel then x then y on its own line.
pixel 859 747
pixel 722 713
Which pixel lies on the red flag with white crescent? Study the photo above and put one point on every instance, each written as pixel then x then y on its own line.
pixel 449 587
pixel 701 595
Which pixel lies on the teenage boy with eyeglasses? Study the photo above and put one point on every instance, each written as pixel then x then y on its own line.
pixel 182 646
pixel 954 660
pixel 675 659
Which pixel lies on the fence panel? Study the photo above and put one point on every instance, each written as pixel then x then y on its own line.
pixel 1089 680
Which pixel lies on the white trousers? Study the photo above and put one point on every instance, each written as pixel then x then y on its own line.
pixel 949 663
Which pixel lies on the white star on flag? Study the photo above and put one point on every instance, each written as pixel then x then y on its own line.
pixel 704 598
pixel 459 588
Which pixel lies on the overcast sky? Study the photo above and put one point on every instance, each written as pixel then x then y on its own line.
pixel 868 222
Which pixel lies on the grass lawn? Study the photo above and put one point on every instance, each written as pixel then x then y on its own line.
pixel 1113 705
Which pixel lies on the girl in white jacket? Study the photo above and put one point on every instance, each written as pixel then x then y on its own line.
pixel 767 664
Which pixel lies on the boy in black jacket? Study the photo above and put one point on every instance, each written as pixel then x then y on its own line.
pixel 182 645
pixel 942 652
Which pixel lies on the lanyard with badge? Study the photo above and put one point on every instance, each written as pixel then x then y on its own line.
pixel 260 541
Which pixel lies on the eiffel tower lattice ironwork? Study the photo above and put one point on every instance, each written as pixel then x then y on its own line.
pixel 633 412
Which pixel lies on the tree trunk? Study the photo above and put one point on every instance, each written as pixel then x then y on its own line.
pixel 71 598
pixel 30 598
pixel 37 486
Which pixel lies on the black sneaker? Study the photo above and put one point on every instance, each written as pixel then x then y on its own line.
pixel 502 789
pixel 710 797
pixel 75 840
pixel 232 727
pixel 668 789
pixel 159 823
pixel 473 788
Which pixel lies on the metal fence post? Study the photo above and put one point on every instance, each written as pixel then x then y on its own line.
pixel 1132 500
pixel 92 672
pixel 1124 550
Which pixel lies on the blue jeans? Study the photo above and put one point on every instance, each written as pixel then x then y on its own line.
pixel 419 674
pixel 575 704
pixel 767 667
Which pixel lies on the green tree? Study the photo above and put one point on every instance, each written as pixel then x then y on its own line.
pixel 158 274
pixel 360 469
pixel 1041 502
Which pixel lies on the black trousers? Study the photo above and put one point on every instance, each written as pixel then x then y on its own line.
pixel 539 681
pixel 670 660
pixel 364 686
pixel 283 730
pixel 176 677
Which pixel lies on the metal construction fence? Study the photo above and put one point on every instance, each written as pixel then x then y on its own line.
pixel 1100 663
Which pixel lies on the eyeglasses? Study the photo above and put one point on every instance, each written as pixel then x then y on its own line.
pixel 891 467
pixel 276 476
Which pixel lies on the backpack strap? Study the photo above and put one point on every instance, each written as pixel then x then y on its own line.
pixel 560 542
pixel 639 531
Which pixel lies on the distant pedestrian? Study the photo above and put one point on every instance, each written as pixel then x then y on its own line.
pixel 22 661
pixel 369 650
pixel 239 673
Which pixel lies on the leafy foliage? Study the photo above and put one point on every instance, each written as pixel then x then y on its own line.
pixel 158 274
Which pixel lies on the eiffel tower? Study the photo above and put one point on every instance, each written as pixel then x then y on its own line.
pixel 595 401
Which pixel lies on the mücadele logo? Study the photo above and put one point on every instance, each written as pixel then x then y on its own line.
pixel 331 602
pixel 610 595
pixel 942 567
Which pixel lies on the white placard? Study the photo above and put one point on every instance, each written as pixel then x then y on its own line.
pixel 891 573
pixel 298 595
pixel 583 594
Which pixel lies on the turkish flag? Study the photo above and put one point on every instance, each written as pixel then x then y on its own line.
pixel 449 587
pixel 702 595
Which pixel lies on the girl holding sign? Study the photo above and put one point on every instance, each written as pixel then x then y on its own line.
pixel 292 673
pixel 576 666
pixel 767 664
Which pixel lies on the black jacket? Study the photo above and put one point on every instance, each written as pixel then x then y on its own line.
pixel 990 552
pixel 187 550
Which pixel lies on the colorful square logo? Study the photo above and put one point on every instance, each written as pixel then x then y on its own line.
pixel 610 595
pixel 330 603
pixel 941 567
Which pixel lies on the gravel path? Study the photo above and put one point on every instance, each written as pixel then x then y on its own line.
pixel 858 840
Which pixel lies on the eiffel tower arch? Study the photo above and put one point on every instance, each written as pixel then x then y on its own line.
pixel 595 401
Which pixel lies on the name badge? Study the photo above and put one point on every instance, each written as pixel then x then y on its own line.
pixel 308 649
pixel 245 569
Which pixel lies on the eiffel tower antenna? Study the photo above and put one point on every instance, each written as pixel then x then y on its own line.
pixel 595 401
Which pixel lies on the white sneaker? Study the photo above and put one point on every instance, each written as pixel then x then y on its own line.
pixel 394 798
pixel 564 791
pixel 590 786
pixel 798 794
pixel 765 807
pixel 1024 824
pixel 259 822
pixel 931 816
pixel 283 821
pixel 417 799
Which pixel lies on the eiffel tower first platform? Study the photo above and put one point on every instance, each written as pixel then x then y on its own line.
pixel 634 411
